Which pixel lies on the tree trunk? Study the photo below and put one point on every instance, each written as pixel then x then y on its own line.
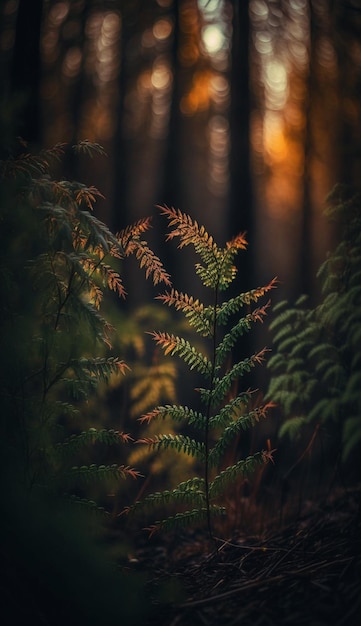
pixel 26 70
pixel 241 205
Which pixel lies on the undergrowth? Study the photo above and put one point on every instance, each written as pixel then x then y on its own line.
pixel 207 433
pixel 316 366
pixel 58 262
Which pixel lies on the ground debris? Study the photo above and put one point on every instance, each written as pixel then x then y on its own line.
pixel 307 573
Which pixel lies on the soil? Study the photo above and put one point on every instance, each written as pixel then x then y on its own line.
pixel 303 572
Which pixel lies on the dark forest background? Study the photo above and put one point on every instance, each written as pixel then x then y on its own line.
pixel 243 113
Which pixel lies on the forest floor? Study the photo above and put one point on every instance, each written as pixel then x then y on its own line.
pixel 303 572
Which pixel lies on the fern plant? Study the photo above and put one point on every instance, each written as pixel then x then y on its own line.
pixel 208 432
pixel 57 263
pixel 316 368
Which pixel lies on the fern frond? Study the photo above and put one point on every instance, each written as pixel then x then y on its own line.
pixel 292 427
pixel 172 344
pixel 243 468
pixel 189 232
pixel 131 242
pixel 88 505
pixel 88 315
pixel 244 422
pixel 351 435
pixel 89 148
pixel 234 305
pixel 87 195
pixel 277 362
pixel 181 443
pixel 75 442
pixel 193 310
pixel 185 519
pixel 354 382
pixel 325 410
pixel 177 413
pixel 223 385
pixel 87 473
pixel 189 491
pixel 226 268
pixel 109 277
pixel 152 385
pixel 97 234
pixel 294 365
pixel 242 326
pixel 335 376
pixel 101 368
pixel 150 261
pixel 230 410
pixel 32 165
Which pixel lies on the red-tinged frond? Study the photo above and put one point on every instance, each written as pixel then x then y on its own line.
pixel 154 528
pixel 88 195
pixel 125 437
pixel 260 356
pixel 149 441
pixel 148 417
pixel 108 329
pixel 261 411
pixel 259 313
pixel 55 152
pixel 122 367
pixel 96 296
pixel 187 229
pixel 59 189
pixel 130 471
pixel 130 243
pixel 266 407
pixel 110 278
pixel 116 251
pixel 133 231
pixel 89 147
pixel 238 243
pixel 167 341
pixel 267 455
pixel 113 280
pixel 255 294
pixel 152 264
pixel 181 301
pixel 125 511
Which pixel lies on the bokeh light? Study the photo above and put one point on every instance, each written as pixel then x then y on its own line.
pixel 213 39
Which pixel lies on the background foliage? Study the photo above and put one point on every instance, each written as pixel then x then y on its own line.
pixel 316 365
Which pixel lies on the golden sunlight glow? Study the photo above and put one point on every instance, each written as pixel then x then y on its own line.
pixel 198 98
pixel 161 76
pixel 276 84
pixel 274 141
pixel 213 38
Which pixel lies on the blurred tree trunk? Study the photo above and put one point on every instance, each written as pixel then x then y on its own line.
pixel 241 200
pixel 77 95
pixel 123 144
pixel 346 30
pixel 120 216
pixel 303 281
pixel 241 217
pixel 172 184
pixel 26 70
